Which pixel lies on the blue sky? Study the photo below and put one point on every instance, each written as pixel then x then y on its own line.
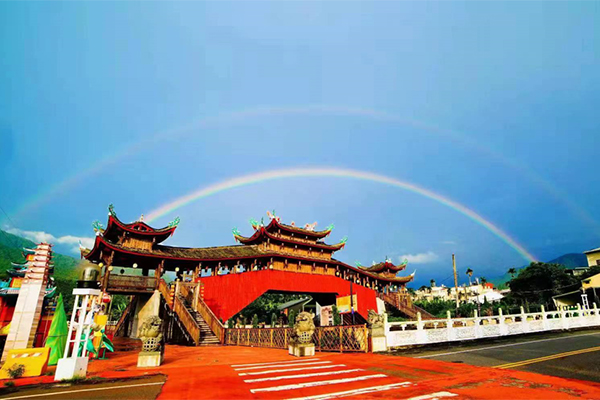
pixel 491 104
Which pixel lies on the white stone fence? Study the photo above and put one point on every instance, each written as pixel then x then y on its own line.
pixel 419 332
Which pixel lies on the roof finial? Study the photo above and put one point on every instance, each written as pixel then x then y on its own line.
pixel 111 210
pixel 141 217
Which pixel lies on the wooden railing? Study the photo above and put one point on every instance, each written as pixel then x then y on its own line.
pixel 123 317
pixel 346 338
pixel 165 291
pixel 404 303
pixel 129 284
pixel 211 319
pixel 186 319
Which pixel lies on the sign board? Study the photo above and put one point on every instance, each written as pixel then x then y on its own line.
pixel 35 361
pixel 343 304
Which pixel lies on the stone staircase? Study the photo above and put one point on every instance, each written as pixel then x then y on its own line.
pixel 403 303
pixel 207 337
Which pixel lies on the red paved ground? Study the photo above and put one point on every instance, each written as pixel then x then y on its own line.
pixel 207 373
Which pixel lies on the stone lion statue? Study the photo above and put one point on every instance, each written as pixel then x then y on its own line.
pixel 374 319
pixel 151 334
pixel 303 328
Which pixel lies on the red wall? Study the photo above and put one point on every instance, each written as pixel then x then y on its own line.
pixel 226 295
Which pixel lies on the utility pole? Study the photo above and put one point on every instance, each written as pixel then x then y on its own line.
pixel 455 282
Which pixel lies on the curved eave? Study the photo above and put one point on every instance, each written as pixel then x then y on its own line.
pixel 263 231
pixel 114 224
pixel 298 230
pixel 383 267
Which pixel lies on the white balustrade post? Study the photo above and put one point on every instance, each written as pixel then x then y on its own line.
pixel 421 334
pixel 503 327
pixel 563 318
pixel 596 318
pixel 451 333
pixel 477 322
pixel 545 324
pixel 524 323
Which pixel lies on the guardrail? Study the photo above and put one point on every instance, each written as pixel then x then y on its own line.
pixel 186 319
pixel 129 284
pixel 419 332
pixel 346 338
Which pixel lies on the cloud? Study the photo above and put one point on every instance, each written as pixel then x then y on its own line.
pixel 421 258
pixel 69 240
pixel 449 242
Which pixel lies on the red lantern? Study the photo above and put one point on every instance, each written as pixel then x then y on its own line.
pixel 106 298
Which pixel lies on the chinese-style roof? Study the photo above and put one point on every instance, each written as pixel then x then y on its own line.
pixel 262 232
pixel 386 266
pixel 115 228
pixel 182 253
pixel 275 224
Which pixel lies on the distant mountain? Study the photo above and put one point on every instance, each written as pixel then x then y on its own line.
pixel 65 268
pixel 571 260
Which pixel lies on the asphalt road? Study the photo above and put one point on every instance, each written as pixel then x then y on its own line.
pixel 146 388
pixel 574 355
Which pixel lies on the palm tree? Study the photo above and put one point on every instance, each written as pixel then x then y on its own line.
pixel 470 273
pixel 512 272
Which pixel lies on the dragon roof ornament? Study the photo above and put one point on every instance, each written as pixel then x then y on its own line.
pixel 174 223
pixel 111 210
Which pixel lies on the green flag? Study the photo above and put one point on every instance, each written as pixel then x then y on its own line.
pixel 57 335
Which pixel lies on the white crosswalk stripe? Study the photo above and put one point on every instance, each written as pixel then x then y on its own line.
pixel 283 365
pixel 317 383
pixel 277 378
pixel 303 360
pixel 347 393
pixel 291 369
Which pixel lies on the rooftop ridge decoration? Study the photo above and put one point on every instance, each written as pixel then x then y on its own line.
pixel 111 210
pixel 273 216
pixel 174 223
pixel 310 227
pixel 98 227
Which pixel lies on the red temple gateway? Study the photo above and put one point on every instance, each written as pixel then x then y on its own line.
pixel 277 257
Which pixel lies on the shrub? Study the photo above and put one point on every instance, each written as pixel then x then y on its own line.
pixel 230 323
pixel 255 321
pixel 9 384
pixel 16 371
pixel 337 318
pixel 273 320
pixel 292 319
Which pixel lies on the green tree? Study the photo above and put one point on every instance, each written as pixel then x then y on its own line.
pixel 538 282
pixel 230 323
pixel 512 272
pixel 291 318
pixel 432 282
pixel 255 321
pixel 273 320
pixel 337 318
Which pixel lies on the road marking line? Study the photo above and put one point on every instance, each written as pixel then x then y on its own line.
pixel 29 396
pixel 275 363
pixel 503 345
pixel 547 358
pixel 317 383
pixel 276 378
pixel 283 365
pixel 290 369
pixel 433 396
pixel 354 392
